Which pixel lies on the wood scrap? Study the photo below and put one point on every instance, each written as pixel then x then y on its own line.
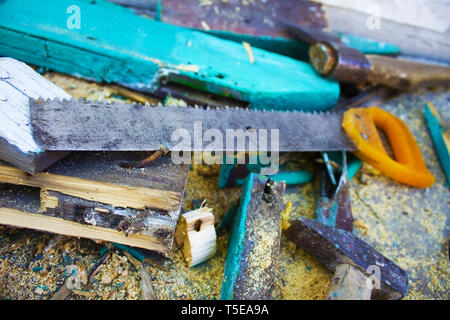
pixel 29 220
pixel 97 266
pixel 253 248
pixel 63 212
pixel 87 294
pixel 197 236
pixel 18 83
pixel 115 195
pixel 147 292
pixel 248 49
pixel 62 293
pixel 406 26
pixel 260 23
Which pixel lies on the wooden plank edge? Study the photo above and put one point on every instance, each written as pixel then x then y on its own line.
pixel 116 195
pixel 21 219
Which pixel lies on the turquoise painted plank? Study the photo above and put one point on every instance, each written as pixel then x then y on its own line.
pixel 115 45
pixel 369 46
pixel 287 47
pixel 224 174
pixel 299 50
pixel 136 254
pixel 436 134
pixel 253 246
pixel 290 178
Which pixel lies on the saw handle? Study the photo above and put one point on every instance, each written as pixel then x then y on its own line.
pixel 408 167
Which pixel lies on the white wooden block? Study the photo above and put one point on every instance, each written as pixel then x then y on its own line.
pixel 18 83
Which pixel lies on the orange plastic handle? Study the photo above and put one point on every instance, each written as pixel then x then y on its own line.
pixel 408 167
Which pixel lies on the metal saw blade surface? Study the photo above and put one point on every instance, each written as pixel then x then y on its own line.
pixel 72 125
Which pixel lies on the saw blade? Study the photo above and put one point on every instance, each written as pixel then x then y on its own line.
pixel 79 125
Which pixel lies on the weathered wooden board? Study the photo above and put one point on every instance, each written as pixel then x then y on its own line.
pixel 349 283
pixel 260 23
pixel 18 83
pixel 253 248
pixel 432 15
pixel 115 45
pixel 19 207
pixel 57 208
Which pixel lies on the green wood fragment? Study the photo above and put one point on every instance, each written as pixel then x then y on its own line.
pixel 369 46
pixel 103 250
pixel 299 49
pixel 236 242
pixel 436 134
pixel 136 254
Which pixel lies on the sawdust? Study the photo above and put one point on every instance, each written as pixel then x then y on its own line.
pixel 360 225
pixel 81 88
pixel 249 51
pixel 202 184
pixel 301 277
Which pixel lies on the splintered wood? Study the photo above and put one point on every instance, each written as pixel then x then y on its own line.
pixel 197 235
pixel 90 195
pixel 113 194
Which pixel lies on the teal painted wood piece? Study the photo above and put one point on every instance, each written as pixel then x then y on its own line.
pixel 299 49
pixel 333 207
pixel 236 241
pixel 291 178
pixel 254 243
pixel 440 145
pixel 288 177
pixel 115 45
pixel 353 164
pixel 369 46
pixel 226 176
